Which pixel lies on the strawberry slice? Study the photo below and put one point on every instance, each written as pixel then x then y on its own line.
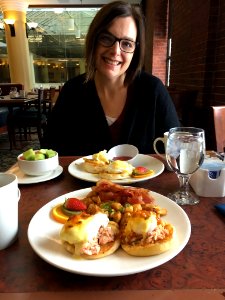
pixel 140 170
pixel 74 204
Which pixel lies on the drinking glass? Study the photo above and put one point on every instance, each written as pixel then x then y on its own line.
pixel 185 153
pixel 13 92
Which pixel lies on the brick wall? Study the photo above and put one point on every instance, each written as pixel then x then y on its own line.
pixel 160 40
pixel 198 56
pixel 156 13
pixel 198 52
pixel 218 80
pixel 189 39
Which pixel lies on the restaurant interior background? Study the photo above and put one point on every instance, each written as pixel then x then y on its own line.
pixel 185 48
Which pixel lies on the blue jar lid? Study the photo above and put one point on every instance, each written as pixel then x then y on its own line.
pixel 213 165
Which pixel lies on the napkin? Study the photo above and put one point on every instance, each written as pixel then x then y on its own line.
pixel 220 208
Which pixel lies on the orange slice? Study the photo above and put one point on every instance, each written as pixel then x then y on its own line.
pixel 58 214
pixel 149 173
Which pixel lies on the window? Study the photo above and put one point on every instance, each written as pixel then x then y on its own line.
pixel 56 39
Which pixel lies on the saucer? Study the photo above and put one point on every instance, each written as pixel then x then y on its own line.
pixel 26 179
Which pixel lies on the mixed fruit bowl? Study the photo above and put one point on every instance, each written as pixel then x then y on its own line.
pixel 38 162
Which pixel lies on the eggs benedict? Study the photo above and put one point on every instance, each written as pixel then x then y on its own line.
pixel 144 233
pixel 90 236
pixel 117 169
pixel 97 163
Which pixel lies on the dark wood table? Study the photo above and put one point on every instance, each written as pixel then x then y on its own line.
pixel 197 272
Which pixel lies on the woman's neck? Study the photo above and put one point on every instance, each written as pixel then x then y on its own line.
pixel 112 95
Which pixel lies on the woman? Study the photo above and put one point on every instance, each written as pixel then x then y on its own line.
pixel 114 102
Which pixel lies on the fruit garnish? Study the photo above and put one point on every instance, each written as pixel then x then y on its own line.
pixel 58 215
pixel 74 204
pixel 63 211
pixel 41 154
pixel 50 153
pixel 29 154
pixel 140 172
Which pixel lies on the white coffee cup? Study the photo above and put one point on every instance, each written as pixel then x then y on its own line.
pixel 161 140
pixel 9 198
pixel 164 141
pixel 22 93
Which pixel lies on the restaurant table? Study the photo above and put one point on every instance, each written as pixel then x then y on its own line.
pixel 197 272
pixel 6 101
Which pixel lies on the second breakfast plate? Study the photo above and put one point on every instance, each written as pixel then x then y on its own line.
pixel 149 162
pixel 46 243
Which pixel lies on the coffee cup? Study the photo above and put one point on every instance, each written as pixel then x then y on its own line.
pixel 22 93
pixel 161 140
pixel 9 198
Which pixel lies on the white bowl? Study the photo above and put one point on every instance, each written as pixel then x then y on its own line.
pixel 124 152
pixel 38 167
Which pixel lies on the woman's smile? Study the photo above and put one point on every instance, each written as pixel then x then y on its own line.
pixel 111 61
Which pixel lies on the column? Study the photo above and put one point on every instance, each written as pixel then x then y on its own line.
pixel 17 46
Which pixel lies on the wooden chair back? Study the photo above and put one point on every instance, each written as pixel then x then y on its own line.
pixel 49 99
pixel 30 119
pixel 219 125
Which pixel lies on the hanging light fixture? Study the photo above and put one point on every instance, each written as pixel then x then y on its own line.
pixel 70 24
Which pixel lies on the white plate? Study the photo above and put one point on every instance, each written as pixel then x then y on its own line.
pixel 26 179
pixel 76 169
pixel 46 243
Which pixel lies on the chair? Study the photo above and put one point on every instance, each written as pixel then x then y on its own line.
pixel 49 98
pixel 30 117
pixel 219 125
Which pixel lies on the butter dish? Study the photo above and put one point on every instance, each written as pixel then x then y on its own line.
pixel 209 180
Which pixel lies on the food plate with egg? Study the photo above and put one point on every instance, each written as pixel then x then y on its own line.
pixel 47 244
pixel 76 169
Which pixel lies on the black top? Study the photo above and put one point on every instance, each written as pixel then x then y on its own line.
pixel 77 124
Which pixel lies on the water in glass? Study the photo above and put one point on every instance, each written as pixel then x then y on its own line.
pixel 185 153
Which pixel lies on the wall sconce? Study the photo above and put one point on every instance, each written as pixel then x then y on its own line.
pixel 1 26
pixel 31 26
pixel 11 22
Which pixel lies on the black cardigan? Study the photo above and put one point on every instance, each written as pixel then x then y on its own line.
pixel 77 124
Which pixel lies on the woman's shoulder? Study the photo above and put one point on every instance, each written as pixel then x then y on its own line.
pixel 145 77
pixel 78 84
pixel 148 82
pixel 79 79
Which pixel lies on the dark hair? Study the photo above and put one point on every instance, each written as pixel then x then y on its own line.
pixel 102 22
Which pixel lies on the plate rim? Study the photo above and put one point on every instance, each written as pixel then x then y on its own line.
pixel 51 175
pixel 120 181
pixel 163 258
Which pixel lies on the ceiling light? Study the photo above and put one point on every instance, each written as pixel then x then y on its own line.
pixel 58 10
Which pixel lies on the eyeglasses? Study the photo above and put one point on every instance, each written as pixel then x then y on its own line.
pixel 108 40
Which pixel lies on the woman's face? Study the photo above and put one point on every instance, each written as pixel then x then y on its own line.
pixel 112 62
